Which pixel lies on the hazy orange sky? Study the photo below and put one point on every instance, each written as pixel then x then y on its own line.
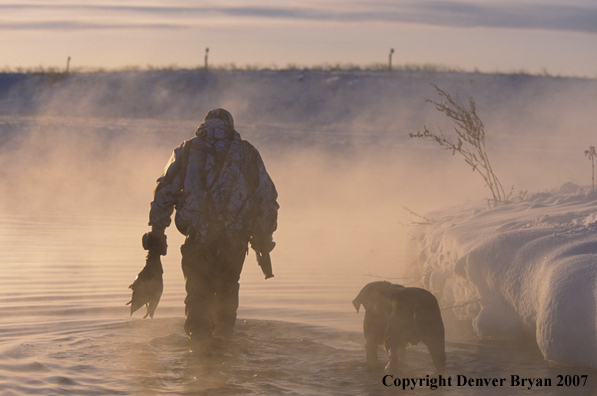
pixel 557 36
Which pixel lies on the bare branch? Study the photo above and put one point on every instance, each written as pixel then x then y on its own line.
pixel 470 140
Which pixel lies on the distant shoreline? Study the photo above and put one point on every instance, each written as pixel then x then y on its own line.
pixel 372 99
pixel 378 67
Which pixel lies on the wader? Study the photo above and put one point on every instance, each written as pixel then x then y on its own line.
pixel 211 273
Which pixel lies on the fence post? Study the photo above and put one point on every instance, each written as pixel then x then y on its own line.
pixel 390 65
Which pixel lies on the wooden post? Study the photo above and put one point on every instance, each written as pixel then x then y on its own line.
pixel 67 64
pixel 206 52
pixel 390 65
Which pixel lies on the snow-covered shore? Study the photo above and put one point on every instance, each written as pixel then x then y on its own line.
pixel 529 267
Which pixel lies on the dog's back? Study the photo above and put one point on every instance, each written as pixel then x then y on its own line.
pixel 420 305
pixel 417 314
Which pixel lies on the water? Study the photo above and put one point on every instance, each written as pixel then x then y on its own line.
pixel 70 246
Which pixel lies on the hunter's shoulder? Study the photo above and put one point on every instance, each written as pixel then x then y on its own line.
pixel 247 147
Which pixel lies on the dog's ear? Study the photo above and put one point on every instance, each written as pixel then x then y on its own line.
pixel 357 303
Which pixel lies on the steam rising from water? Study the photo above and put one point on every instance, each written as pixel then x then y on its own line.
pixel 335 144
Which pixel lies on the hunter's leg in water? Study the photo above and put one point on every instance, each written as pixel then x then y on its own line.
pixel 230 262
pixel 197 268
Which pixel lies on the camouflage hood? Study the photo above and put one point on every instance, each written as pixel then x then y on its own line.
pixel 222 115
pixel 216 129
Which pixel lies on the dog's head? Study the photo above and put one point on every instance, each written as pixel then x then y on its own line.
pixel 368 293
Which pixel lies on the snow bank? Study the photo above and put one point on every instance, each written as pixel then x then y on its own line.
pixel 532 266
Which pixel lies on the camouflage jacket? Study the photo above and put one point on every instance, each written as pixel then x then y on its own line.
pixel 225 188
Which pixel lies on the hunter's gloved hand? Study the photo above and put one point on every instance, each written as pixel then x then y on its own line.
pixel 148 286
pixel 262 243
pixel 155 241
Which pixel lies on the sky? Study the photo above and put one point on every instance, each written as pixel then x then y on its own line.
pixel 558 37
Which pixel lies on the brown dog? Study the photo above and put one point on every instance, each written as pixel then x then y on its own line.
pixel 396 316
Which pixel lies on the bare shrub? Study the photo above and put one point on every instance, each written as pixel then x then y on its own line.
pixel 469 140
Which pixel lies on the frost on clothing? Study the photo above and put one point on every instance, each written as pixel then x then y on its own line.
pixel 225 187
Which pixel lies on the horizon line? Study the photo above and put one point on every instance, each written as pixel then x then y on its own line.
pixel 327 67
